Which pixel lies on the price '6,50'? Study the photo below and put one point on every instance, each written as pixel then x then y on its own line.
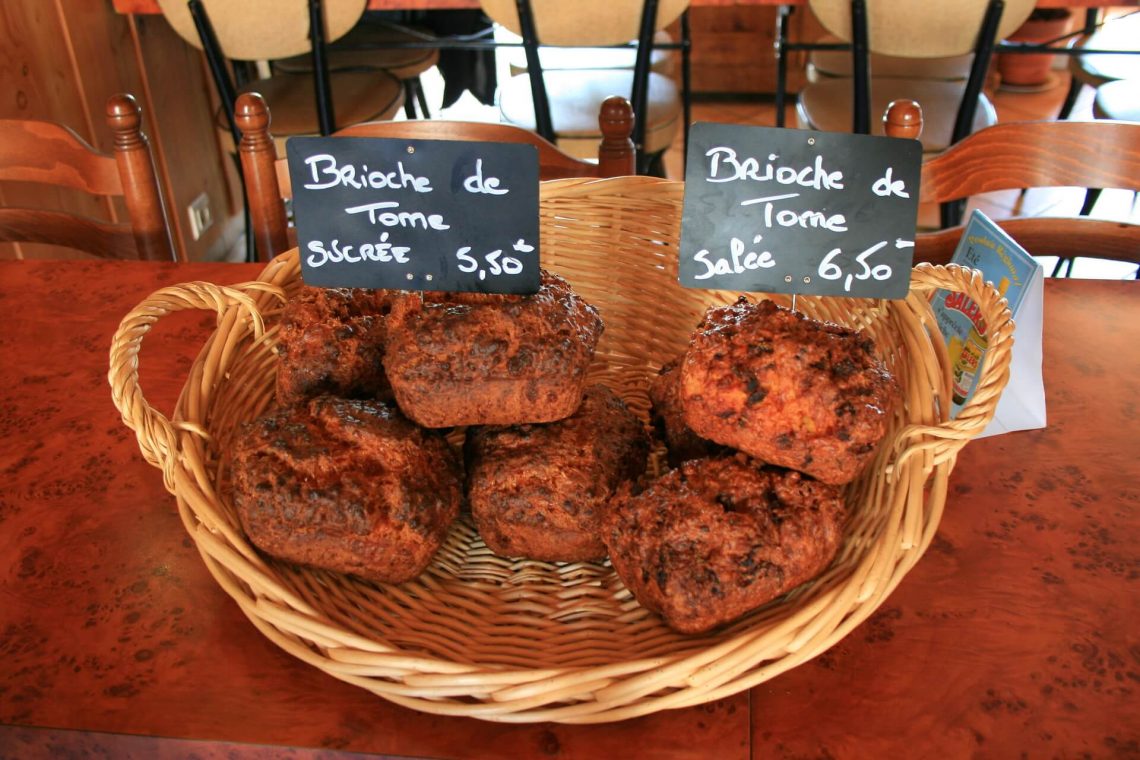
pixel 829 270
pixel 493 263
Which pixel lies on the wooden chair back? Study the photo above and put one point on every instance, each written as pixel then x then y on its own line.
pixel 267 182
pixel 47 153
pixel 1017 155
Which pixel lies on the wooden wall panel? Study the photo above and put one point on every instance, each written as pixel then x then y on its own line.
pixel 91 34
pixel 191 159
pixel 37 78
pixel 61 59
pixel 100 52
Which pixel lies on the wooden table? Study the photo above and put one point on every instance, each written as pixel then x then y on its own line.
pixel 1015 633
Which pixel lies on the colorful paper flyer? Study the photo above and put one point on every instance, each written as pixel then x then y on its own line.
pixel 1020 278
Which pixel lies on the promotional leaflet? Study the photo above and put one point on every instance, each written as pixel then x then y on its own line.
pixel 1020 278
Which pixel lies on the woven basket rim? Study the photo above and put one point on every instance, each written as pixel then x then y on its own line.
pixel 920 459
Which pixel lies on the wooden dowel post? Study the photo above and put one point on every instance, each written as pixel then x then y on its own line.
pixel 258 160
pixel 140 184
pixel 617 155
pixel 903 118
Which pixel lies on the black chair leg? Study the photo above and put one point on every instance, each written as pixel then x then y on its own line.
pixel 250 240
pixel 1064 267
pixel 860 70
pixel 409 99
pixel 1092 195
pixel 781 60
pixel 421 98
pixel 654 165
pixel 326 113
pixel 686 80
pixel 1070 99
pixel 951 213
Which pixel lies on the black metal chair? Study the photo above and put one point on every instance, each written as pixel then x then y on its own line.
pixel 308 103
pixel 562 104
pixel 904 29
pixel 377 43
pixel 251 31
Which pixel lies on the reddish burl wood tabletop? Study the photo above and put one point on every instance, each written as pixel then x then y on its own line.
pixel 1015 634
pixel 111 624
pixel 1018 634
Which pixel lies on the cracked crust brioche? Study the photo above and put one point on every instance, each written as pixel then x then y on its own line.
pixel 488 359
pixel 719 537
pixel 681 443
pixel 787 389
pixel 540 491
pixel 345 485
pixel 332 342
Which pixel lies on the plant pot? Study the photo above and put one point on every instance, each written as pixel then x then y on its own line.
pixel 1031 69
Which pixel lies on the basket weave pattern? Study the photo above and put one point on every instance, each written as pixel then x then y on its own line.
pixel 483 636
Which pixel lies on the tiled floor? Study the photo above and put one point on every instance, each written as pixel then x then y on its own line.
pixel 1011 106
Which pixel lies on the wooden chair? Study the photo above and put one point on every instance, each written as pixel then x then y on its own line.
pixel 1112 76
pixel 267 183
pixel 1017 155
pixel 51 154
pixel 561 104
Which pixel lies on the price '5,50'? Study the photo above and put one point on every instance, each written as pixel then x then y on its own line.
pixel 829 270
pixel 493 263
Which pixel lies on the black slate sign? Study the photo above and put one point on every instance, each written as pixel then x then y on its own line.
pixel 416 214
pixel 796 211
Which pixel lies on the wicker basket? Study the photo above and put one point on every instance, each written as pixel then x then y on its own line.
pixel 518 640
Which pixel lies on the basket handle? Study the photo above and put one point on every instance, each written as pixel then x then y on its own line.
pixel 157 435
pixel 949 437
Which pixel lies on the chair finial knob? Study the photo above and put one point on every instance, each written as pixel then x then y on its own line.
pixel 124 116
pixel 903 118
pixel 616 118
pixel 251 115
pixel 251 112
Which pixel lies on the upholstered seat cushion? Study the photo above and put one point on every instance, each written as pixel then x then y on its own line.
pixel 369 46
pixel 827 106
pixel 574 99
pixel 837 63
pixel 661 60
pixel 1114 34
pixel 357 96
pixel 1119 100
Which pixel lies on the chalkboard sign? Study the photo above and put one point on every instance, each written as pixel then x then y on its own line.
pixel 795 211
pixel 416 214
